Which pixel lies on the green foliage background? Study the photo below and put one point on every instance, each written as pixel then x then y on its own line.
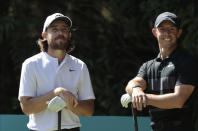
pixel 113 38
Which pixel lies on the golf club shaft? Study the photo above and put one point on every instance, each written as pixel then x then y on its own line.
pixel 59 121
pixel 134 111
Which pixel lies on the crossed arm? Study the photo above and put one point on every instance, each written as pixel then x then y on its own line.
pixel 37 104
pixel 165 101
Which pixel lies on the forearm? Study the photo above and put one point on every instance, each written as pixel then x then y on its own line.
pixel 84 108
pixel 36 104
pixel 136 82
pixel 166 101
pixel 171 100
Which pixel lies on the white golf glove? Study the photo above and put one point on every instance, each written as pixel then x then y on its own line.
pixel 125 100
pixel 56 104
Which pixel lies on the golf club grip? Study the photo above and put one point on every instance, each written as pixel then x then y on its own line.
pixel 134 111
pixel 59 121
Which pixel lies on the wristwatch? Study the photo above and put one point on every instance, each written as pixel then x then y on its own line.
pixel 135 87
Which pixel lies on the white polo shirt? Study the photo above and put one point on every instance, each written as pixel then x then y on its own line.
pixel 42 73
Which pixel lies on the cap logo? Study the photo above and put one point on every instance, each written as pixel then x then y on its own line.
pixel 58 15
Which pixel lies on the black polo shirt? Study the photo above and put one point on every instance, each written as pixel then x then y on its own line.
pixel 163 75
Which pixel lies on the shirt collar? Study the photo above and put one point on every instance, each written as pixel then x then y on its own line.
pixel 65 60
pixel 49 58
pixel 171 56
pixel 53 59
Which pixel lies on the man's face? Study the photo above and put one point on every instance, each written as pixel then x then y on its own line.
pixel 58 34
pixel 167 34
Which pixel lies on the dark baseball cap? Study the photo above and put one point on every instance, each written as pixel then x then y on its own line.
pixel 167 16
pixel 56 16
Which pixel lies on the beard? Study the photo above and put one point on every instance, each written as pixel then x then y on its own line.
pixel 59 43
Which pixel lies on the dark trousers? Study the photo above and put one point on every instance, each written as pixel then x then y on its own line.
pixel 174 129
pixel 172 126
pixel 73 129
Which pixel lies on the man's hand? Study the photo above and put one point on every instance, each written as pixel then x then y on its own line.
pixel 139 98
pixel 125 100
pixel 67 96
pixel 70 99
pixel 56 104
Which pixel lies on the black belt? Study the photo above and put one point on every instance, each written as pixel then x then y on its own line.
pixel 73 129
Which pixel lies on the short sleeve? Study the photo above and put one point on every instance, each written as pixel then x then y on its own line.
pixel 187 73
pixel 85 90
pixel 143 71
pixel 27 85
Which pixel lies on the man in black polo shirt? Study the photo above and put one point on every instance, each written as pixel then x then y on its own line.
pixel 167 83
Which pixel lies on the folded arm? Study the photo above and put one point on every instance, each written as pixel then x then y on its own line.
pixel 30 105
pixel 166 101
pixel 84 108
pixel 36 104
pixel 171 100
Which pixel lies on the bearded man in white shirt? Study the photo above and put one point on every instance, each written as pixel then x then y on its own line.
pixel 54 81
